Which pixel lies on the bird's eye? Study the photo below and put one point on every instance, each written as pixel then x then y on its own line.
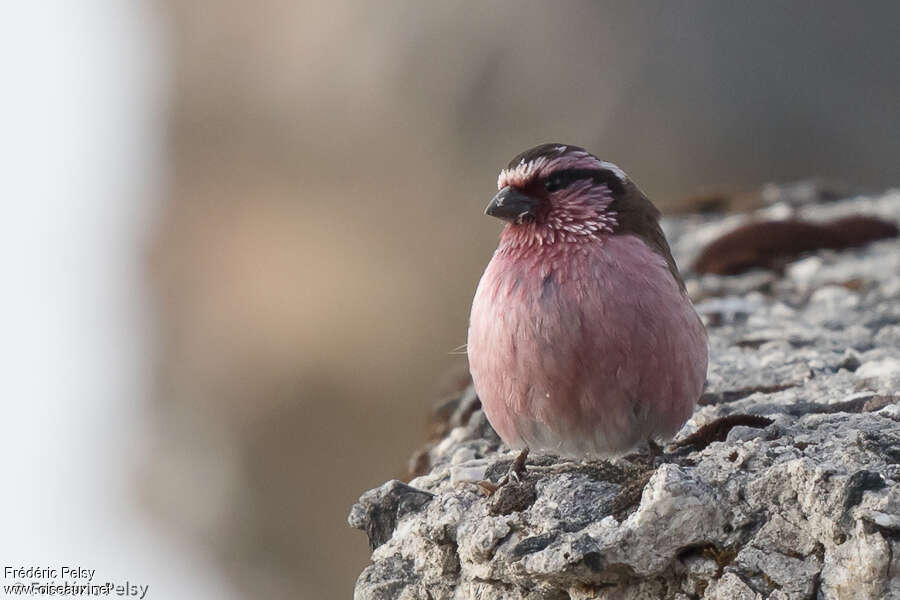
pixel 554 183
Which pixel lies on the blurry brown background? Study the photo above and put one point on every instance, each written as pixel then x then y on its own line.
pixel 322 235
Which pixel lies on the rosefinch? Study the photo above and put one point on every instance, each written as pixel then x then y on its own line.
pixel 582 340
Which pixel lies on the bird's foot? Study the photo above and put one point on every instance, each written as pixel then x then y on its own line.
pixel 515 474
pixel 517 468
pixel 654 449
pixel 653 456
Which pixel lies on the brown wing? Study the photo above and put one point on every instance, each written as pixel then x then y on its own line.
pixel 636 215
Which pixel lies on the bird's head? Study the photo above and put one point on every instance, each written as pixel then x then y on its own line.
pixel 559 192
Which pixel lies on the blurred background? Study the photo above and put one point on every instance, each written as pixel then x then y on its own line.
pixel 242 238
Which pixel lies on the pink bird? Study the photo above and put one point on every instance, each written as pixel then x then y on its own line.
pixel 582 340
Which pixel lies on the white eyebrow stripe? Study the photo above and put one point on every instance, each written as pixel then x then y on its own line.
pixel 523 171
pixel 615 170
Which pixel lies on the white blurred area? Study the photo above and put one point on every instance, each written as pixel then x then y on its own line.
pixel 83 100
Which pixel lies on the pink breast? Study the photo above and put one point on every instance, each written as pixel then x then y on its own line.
pixel 585 349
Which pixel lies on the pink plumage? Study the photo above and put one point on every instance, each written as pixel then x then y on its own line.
pixel 582 341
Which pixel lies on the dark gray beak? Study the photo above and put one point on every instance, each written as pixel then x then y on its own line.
pixel 512 205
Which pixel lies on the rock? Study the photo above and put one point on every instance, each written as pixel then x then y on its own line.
pixel 785 483
pixel 379 510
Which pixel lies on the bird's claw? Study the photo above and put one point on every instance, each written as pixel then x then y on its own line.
pixel 654 449
pixel 515 474
pixel 516 469
pixel 510 477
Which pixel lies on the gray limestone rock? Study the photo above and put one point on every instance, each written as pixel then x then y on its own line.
pixel 791 491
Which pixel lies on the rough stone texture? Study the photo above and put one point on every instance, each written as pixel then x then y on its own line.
pixel 792 493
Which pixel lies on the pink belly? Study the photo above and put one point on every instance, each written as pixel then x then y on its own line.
pixel 588 351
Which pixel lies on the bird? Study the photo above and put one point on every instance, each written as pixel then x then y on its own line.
pixel 582 340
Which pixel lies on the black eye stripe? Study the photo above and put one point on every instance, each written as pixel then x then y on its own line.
pixel 566 177
pixel 557 181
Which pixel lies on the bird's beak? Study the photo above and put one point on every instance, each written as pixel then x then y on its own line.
pixel 512 205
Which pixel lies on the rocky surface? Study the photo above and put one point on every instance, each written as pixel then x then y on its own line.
pixel 785 484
